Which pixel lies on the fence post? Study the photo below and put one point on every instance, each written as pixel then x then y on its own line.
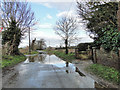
pixel 119 64
pixel 94 55
pixel 119 58
pixel 88 51
pixel 76 52
pixel 119 52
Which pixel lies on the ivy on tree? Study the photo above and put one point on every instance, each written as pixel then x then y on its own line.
pixel 101 21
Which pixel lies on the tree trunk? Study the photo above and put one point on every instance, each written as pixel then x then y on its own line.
pixel 66 48
pixel 16 50
pixel 13 49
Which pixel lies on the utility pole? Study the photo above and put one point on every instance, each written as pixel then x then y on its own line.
pixel 29 40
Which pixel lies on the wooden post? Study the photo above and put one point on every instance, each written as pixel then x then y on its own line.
pixel 119 54
pixel 118 16
pixel 88 50
pixel 94 55
pixel 118 21
pixel 119 57
pixel 119 65
pixel 76 52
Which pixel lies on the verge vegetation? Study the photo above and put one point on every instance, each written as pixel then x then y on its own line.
pixel 105 72
pixel 8 61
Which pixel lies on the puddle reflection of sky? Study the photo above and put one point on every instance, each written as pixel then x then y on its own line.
pixel 60 66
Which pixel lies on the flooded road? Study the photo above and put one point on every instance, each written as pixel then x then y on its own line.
pixel 48 71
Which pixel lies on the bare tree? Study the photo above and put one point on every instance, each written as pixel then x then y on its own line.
pixel 74 41
pixel 66 28
pixel 19 12
pixel 16 18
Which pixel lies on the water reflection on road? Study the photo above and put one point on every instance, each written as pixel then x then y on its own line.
pixel 53 60
pixel 49 71
pixel 62 65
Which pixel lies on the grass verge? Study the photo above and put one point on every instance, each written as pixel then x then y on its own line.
pixel 8 61
pixel 69 57
pixel 107 73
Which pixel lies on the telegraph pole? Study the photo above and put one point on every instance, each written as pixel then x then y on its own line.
pixel 29 40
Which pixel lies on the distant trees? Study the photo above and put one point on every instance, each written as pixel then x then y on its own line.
pixel 66 29
pixel 41 44
pixel 101 21
pixel 33 44
pixel 16 18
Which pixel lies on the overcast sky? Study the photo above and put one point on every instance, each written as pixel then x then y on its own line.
pixel 46 14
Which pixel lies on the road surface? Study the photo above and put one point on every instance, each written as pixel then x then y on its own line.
pixel 48 71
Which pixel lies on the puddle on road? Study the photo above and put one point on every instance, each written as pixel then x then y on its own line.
pixel 57 62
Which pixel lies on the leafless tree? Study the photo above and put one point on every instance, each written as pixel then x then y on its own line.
pixel 66 28
pixel 19 12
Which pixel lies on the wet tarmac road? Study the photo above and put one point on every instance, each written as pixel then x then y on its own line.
pixel 48 71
